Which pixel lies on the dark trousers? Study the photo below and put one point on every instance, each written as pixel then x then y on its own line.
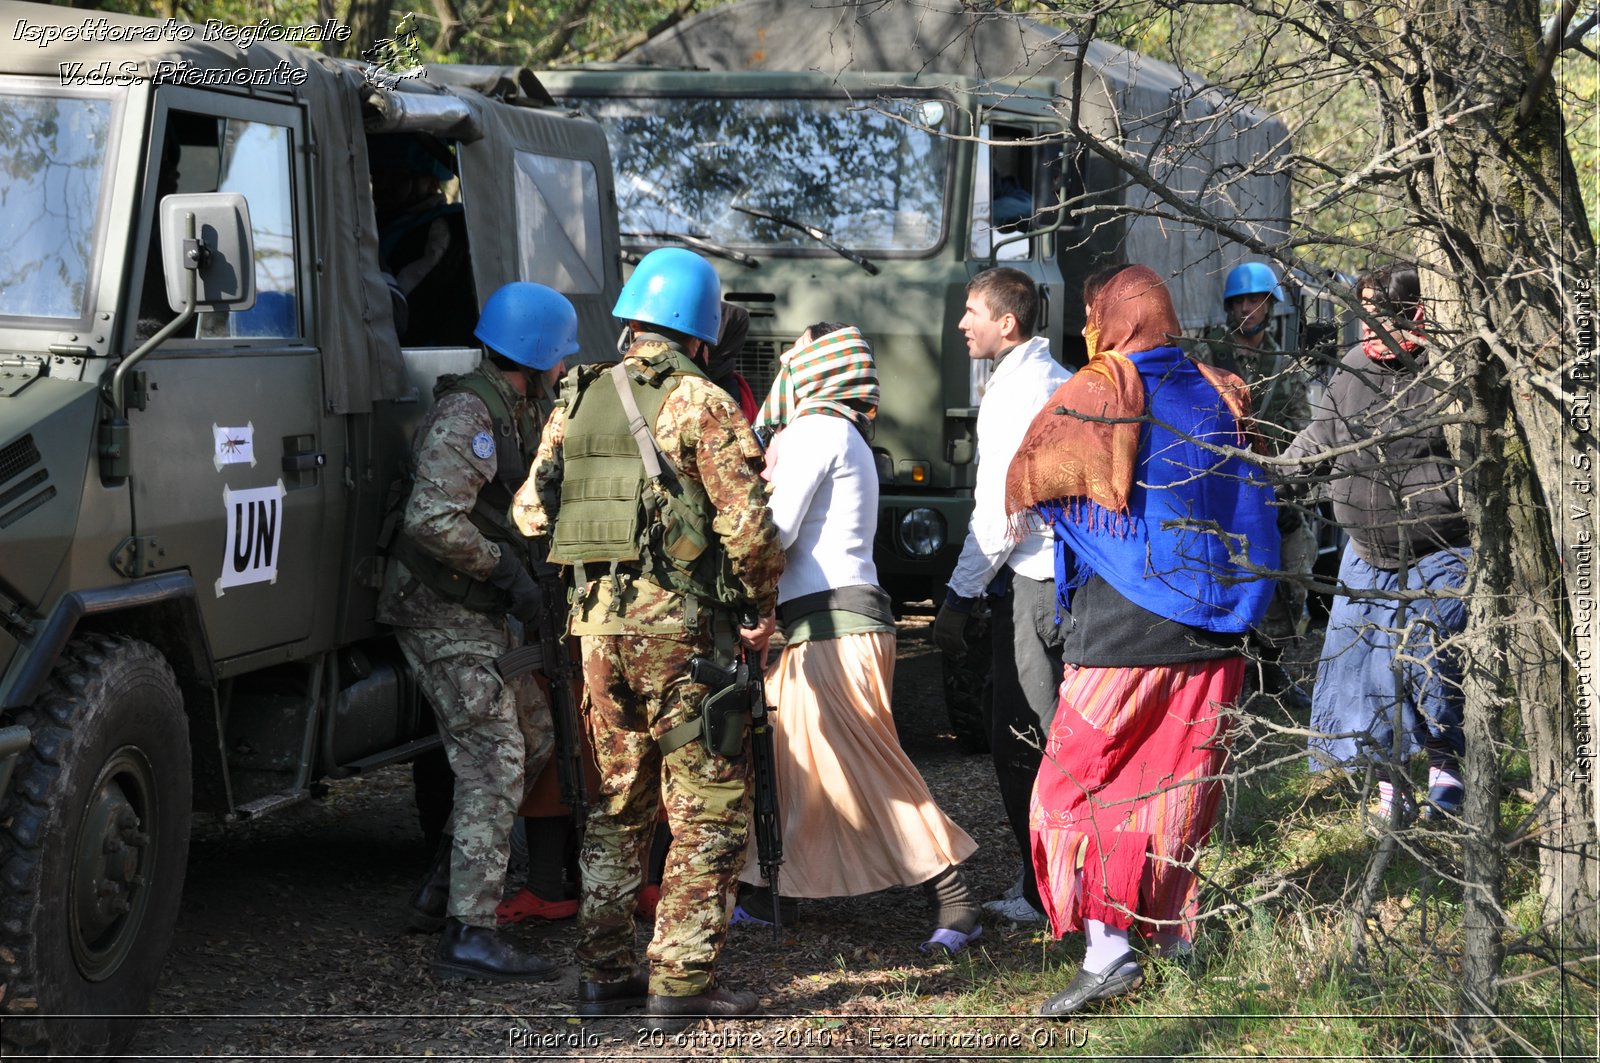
pixel 1026 675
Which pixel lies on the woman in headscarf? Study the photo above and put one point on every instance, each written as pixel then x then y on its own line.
pixel 1160 526
pixel 857 817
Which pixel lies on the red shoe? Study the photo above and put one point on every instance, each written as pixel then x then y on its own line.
pixel 529 905
pixel 649 897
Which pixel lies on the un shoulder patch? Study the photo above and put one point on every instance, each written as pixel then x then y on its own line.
pixel 483 445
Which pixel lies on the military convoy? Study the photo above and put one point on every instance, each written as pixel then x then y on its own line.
pixel 207 377
pixel 204 401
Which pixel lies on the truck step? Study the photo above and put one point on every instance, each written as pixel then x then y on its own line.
pixel 271 803
pixel 409 751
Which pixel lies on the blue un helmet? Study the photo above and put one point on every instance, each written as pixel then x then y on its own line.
pixel 1252 278
pixel 530 324
pixel 676 289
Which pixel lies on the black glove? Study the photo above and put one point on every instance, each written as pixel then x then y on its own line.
pixel 512 576
pixel 950 625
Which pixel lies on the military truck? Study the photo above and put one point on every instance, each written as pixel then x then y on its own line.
pixel 204 404
pixel 860 162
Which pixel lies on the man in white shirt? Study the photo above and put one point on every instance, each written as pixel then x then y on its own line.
pixel 1017 573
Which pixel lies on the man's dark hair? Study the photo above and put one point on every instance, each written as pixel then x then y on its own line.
pixel 1099 279
pixel 823 328
pixel 504 364
pixel 1008 291
pixel 1398 289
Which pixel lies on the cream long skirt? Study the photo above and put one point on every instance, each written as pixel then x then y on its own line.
pixel 857 816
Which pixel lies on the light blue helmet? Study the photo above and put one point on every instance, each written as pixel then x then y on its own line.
pixel 1252 278
pixel 530 324
pixel 676 289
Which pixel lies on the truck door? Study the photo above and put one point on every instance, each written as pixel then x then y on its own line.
pixel 227 471
pixel 1017 191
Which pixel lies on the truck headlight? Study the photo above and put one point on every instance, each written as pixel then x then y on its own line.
pixel 922 532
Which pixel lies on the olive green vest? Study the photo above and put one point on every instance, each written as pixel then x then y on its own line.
pixel 612 512
pixel 516 441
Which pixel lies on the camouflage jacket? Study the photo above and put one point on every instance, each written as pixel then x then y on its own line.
pixel 455 458
pixel 1278 382
pixel 701 429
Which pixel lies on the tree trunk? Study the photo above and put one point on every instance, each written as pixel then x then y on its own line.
pixel 451 27
pixel 369 23
pixel 1489 663
pixel 1495 204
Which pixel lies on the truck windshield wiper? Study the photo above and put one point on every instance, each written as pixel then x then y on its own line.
pixel 699 243
pixel 815 233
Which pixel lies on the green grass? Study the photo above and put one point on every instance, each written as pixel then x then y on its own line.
pixel 1273 975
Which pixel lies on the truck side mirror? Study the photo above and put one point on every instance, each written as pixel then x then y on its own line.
pixel 222 253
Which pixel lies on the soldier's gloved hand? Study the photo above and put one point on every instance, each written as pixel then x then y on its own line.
pixel 950 625
pixel 512 576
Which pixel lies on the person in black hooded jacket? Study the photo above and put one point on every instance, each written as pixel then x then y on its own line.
pixel 1395 488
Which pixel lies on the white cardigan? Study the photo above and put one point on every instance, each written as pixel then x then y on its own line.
pixel 825 503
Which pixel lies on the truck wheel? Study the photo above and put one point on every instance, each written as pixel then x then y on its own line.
pixel 969 688
pixel 93 850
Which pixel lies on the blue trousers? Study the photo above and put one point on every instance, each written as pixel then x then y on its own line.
pixel 1383 670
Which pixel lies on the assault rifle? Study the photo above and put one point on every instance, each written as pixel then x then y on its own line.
pixel 736 691
pixel 549 654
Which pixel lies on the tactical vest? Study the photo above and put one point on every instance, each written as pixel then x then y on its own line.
pixel 516 441
pixel 613 513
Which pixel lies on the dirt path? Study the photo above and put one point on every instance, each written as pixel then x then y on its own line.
pixel 292 941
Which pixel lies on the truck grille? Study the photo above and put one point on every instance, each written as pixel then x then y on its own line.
pixel 16 458
pixel 758 364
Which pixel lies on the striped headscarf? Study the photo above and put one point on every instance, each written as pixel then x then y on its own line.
pixel 833 374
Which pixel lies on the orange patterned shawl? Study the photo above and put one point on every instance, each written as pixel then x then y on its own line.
pixel 1084 444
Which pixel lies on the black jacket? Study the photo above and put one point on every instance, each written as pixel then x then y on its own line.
pixel 1404 486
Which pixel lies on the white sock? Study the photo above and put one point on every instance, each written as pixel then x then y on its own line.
pixel 1438 776
pixel 1385 797
pixel 1106 945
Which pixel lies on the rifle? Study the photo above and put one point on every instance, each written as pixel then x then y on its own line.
pixel 550 655
pixel 743 684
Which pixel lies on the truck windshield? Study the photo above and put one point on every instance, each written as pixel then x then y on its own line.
pixel 870 174
pixel 55 151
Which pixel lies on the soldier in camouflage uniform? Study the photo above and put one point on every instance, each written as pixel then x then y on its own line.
pixel 458 591
pixel 1279 396
pixel 657 580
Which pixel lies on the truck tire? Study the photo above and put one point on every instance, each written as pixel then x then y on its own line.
pixel 93 848
pixel 969 688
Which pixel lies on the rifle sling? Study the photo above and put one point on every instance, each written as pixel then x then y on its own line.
pixel 649 453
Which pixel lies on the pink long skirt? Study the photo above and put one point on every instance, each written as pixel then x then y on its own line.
pixel 857 816
pixel 1127 792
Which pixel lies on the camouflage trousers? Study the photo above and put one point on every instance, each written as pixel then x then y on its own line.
pixel 637 689
pixel 496 736
pixel 1288 603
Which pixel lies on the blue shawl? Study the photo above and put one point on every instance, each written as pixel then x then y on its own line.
pixel 1189 509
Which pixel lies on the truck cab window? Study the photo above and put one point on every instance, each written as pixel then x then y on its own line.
pixel 207 153
pixel 1009 174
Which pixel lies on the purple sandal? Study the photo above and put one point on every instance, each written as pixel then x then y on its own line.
pixel 952 941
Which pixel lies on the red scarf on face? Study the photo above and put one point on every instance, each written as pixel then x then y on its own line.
pixel 1408 337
